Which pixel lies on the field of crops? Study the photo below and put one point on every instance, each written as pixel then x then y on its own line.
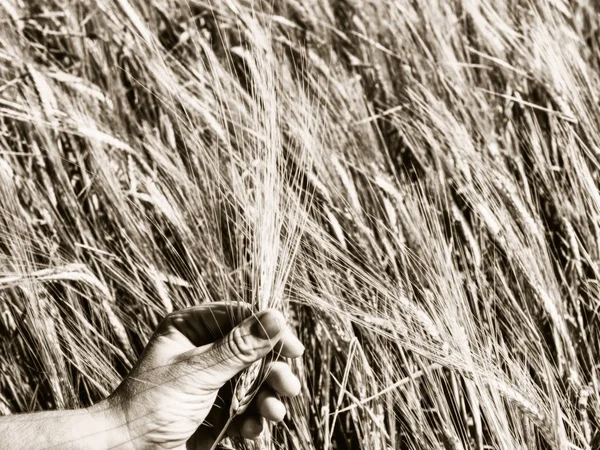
pixel 414 183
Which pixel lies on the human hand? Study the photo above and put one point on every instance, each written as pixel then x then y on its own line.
pixel 177 395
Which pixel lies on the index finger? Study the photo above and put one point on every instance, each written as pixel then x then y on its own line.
pixel 205 323
pixel 289 345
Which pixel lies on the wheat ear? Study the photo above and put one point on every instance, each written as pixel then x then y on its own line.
pixel 246 387
pixel 244 391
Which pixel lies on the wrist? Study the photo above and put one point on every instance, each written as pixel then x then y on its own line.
pixel 111 425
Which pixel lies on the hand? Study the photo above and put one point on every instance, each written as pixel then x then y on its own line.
pixel 177 394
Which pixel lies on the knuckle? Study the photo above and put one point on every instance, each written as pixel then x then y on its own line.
pixel 241 346
pixel 170 319
pixel 164 325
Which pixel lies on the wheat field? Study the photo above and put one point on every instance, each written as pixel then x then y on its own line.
pixel 414 183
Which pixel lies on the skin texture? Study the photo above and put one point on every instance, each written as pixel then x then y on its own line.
pixel 177 395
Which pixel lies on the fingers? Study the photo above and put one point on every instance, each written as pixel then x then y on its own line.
pixel 269 406
pixel 266 405
pixel 252 427
pixel 289 345
pixel 248 342
pixel 249 426
pixel 282 380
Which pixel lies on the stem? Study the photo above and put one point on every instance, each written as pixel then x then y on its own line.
pixel 222 433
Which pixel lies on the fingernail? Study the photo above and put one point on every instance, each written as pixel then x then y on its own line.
pixel 267 324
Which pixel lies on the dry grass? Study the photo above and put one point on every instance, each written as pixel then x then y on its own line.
pixel 414 183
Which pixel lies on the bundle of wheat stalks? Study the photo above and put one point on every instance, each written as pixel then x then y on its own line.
pixel 414 183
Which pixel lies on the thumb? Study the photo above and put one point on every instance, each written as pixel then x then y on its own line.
pixel 248 342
